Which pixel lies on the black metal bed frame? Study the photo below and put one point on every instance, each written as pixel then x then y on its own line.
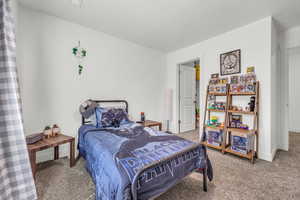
pixel 106 101
pixel 149 166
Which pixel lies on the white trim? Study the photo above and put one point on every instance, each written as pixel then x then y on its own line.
pixel 274 151
pixel 265 156
pixel 283 146
pixel 177 92
pixel 294 130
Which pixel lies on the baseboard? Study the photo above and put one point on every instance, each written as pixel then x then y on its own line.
pixel 274 151
pixel 283 147
pixel 295 130
pixel 265 156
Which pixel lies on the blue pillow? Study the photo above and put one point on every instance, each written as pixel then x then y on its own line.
pixel 110 117
pixel 98 115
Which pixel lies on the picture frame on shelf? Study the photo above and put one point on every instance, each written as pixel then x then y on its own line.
pixel 251 69
pixel 216 75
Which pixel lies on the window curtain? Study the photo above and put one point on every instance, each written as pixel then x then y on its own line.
pixel 16 181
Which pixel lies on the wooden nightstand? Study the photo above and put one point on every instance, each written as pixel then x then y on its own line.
pixel 150 123
pixel 49 143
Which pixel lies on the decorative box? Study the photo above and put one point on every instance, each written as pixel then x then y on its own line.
pixel 31 139
pixel 242 143
pixel 215 137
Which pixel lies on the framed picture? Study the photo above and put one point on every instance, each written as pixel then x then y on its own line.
pixel 230 62
pixel 251 69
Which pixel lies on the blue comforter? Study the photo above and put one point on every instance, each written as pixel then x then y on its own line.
pixel 114 156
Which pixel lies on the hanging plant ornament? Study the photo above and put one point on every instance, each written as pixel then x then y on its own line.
pixel 75 51
pixel 80 69
pixel 80 53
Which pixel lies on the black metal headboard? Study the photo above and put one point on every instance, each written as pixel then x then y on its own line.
pixel 107 101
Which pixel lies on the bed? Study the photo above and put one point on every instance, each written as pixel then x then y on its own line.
pixel 130 161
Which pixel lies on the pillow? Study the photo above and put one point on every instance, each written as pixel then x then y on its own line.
pixel 92 119
pixel 98 115
pixel 87 108
pixel 113 117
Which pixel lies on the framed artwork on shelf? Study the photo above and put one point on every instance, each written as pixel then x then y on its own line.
pixel 216 75
pixel 230 62
pixel 251 69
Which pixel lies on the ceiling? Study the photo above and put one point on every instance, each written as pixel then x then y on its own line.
pixel 169 24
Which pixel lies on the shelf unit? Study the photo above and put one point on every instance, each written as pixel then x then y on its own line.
pixel 227 130
pixel 212 146
pixel 217 93
pixel 248 155
pixel 242 112
pixel 240 130
pixel 242 93
pixel 207 114
pixel 215 110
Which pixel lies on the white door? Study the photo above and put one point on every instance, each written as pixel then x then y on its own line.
pixel 187 97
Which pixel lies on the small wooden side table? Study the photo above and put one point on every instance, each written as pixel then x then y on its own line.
pixel 150 123
pixel 49 143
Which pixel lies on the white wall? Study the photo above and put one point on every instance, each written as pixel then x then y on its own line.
pixel 292 37
pixel 254 40
pixel 14 8
pixel 275 90
pixel 294 89
pixel 51 88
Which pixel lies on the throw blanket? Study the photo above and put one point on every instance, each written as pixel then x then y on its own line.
pixel 115 155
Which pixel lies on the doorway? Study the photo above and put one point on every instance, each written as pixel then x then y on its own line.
pixel 189 98
pixel 294 90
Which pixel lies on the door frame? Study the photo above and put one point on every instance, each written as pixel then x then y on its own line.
pixel 286 101
pixel 178 88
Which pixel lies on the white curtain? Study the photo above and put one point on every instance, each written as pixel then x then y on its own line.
pixel 16 181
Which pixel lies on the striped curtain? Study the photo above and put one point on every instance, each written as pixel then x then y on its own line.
pixel 16 181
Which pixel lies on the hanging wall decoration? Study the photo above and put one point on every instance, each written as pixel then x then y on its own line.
pixel 230 62
pixel 80 53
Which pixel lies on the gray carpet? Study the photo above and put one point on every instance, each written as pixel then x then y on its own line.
pixel 235 178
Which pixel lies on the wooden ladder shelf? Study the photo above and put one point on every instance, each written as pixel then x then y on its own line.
pixel 225 146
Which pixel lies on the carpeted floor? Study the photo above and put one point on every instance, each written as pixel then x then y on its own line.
pixel 235 178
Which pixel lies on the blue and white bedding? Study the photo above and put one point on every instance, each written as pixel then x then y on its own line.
pixel 114 156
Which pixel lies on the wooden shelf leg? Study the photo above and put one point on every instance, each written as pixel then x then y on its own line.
pixel 32 156
pixel 223 146
pixel 253 156
pixel 72 153
pixel 56 153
